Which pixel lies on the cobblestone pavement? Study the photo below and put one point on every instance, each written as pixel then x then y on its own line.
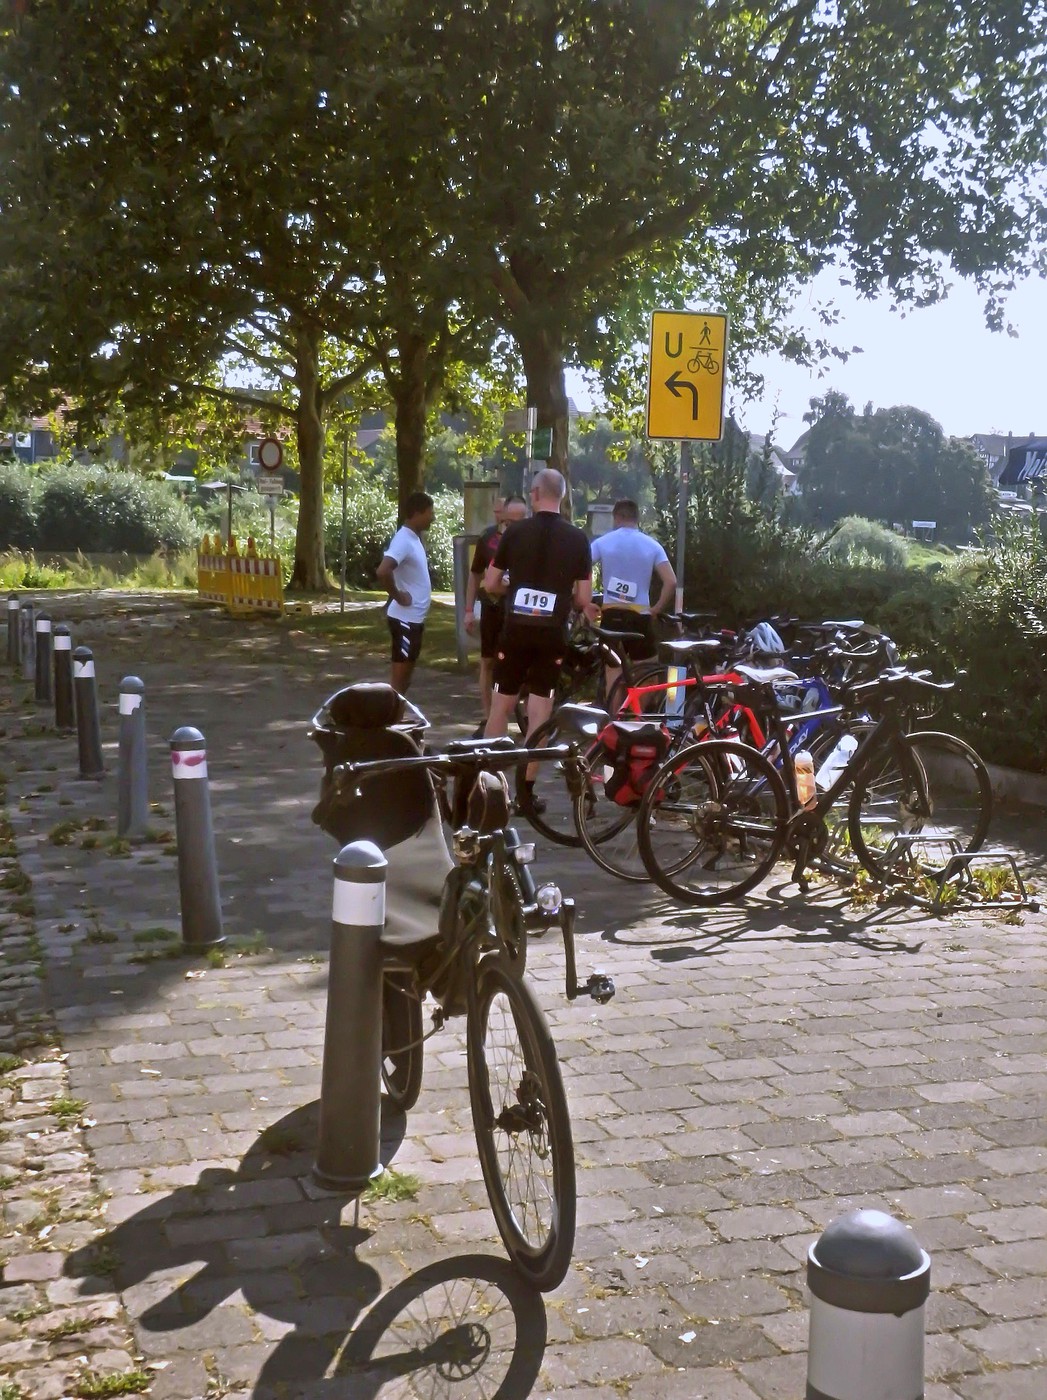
pixel 761 1070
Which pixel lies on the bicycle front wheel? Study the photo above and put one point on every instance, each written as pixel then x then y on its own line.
pixel 401 1040
pixel 522 1126
pixel 925 799
pixel 548 805
pixel 712 822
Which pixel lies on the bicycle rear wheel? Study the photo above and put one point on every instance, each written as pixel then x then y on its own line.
pixel 522 1125
pixel 712 822
pixel 607 829
pixel 401 1040
pixel 548 806
pixel 929 794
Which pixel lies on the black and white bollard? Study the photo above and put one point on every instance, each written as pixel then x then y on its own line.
pixel 351 1085
pixel 88 727
pixel 132 796
pixel 14 629
pixel 65 715
pixel 869 1280
pixel 27 618
pixel 44 693
pixel 197 868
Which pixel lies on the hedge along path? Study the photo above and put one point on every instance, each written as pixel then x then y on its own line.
pixel 59 1335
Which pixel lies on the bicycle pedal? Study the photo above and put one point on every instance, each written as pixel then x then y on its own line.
pixel 600 987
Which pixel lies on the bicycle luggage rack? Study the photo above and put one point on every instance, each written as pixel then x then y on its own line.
pixel 958 876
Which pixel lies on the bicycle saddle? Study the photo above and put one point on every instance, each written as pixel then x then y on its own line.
pixel 766 675
pixel 581 721
pixel 677 652
pixel 609 633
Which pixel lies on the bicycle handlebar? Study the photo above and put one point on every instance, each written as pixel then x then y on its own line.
pixel 488 760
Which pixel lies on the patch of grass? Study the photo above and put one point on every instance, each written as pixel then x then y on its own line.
pixel 98 934
pixel 392 1186
pixel 10 1062
pixel 250 946
pixel 96 823
pixel 280 1142
pixel 16 881
pixel 62 833
pixel 11 1390
pixel 118 847
pixel 91 1384
pixel 364 631
pixel 90 843
pixel 992 881
pixel 215 957
pixel 67 1110
pixel 155 935
pixel 23 906
pixel 71 1327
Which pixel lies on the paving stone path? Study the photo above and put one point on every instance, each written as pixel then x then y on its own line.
pixel 761 1070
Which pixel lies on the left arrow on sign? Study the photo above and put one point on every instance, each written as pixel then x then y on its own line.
pixel 674 384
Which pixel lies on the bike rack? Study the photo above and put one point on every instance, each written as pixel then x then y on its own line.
pixel 958 876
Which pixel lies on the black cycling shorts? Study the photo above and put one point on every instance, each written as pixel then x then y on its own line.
pixel 406 638
pixel 492 620
pixel 622 620
pixel 532 661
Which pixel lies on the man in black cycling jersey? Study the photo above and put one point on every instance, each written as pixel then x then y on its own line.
pixel 544 569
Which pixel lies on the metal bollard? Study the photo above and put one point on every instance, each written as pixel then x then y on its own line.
pixel 869 1280
pixel 132 795
pixel 197 870
pixel 44 691
pixel 351 1084
pixel 88 727
pixel 14 629
pixel 65 715
pixel 28 642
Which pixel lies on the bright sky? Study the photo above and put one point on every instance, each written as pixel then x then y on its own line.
pixel 942 359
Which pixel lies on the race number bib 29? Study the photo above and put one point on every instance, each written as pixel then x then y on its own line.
pixel 621 590
pixel 532 602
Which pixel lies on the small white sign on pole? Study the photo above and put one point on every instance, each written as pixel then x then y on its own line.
pixel 270 486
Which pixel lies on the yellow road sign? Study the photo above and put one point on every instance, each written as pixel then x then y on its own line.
pixel 686 375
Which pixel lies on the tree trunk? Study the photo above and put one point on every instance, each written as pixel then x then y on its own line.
pixel 310 571
pixel 410 395
pixel 542 353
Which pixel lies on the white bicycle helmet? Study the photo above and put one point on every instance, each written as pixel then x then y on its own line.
pixel 765 641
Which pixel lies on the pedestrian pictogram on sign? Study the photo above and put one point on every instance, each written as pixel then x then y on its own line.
pixel 685 385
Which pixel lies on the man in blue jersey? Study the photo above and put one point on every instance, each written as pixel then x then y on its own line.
pixel 630 564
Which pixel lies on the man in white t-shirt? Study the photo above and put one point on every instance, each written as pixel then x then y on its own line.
pixel 404 571
pixel 629 563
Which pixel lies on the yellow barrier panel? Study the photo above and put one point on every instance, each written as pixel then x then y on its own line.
pixel 244 583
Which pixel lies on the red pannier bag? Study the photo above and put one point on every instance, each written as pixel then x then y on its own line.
pixel 635 750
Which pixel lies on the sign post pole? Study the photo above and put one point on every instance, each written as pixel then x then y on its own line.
pixel 681 521
pixel 345 500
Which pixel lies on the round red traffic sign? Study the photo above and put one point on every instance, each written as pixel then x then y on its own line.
pixel 270 454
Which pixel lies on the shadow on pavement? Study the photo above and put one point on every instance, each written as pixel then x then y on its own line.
pixel 264 1234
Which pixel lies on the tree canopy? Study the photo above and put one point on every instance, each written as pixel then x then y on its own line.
pixel 404 178
pixel 894 465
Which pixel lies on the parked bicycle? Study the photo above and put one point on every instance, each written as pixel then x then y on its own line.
pixel 457 929
pixel 717 816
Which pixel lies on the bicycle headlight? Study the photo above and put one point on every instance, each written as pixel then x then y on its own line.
pixel 549 898
pixel 524 853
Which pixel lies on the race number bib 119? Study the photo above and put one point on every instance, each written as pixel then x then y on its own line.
pixel 532 602
pixel 621 590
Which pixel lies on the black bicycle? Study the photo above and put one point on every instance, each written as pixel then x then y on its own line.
pixel 457 928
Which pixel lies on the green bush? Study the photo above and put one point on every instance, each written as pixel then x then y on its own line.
pixel 857 540
pixel 17 507
pixel 371 524
pixel 108 510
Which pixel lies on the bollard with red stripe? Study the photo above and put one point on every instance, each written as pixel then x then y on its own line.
pixel 197 868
